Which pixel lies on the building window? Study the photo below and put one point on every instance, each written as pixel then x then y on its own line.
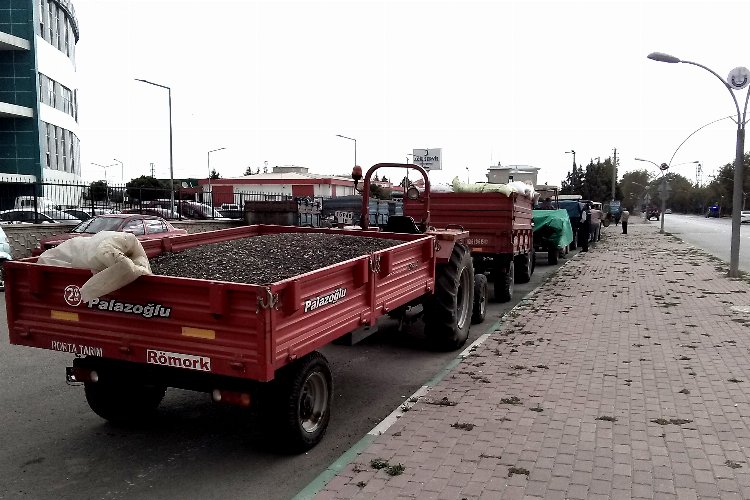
pixel 41 18
pixel 67 98
pixel 48 134
pixel 58 35
pixel 72 153
pixel 56 158
pixel 41 94
pixel 63 150
pixel 50 21
pixel 51 92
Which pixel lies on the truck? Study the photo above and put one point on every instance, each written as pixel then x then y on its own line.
pixel 250 345
pixel 501 235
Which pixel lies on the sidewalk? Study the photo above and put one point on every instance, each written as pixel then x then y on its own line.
pixel 627 375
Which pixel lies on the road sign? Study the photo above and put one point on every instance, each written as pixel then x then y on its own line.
pixel 429 159
pixel 344 217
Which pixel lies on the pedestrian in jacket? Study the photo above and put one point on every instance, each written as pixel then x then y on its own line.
pixel 624 219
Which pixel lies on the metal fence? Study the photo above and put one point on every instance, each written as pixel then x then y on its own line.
pixel 47 202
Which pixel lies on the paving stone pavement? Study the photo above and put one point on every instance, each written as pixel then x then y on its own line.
pixel 626 375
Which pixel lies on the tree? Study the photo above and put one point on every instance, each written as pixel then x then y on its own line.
pixel 98 191
pixel 635 187
pixel 146 188
pixel 249 170
pixel 573 183
pixel 214 174
pixel 379 192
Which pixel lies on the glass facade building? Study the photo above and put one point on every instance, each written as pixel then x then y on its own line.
pixel 38 91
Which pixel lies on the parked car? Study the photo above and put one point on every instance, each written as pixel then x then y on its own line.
pixel 144 227
pixel 158 212
pixel 78 213
pixel 4 256
pixel 26 215
pixel 745 216
pixel 195 210
pixel 668 211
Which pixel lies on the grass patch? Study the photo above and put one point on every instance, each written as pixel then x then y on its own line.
pixel 607 418
pixel 513 400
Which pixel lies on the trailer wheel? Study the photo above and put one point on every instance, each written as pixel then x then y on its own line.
pixel 504 280
pixel 123 403
pixel 480 299
pixel 523 268
pixel 448 311
pixel 302 409
pixel 552 255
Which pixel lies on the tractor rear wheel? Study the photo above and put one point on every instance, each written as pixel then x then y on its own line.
pixel 552 255
pixel 448 311
pixel 480 299
pixel 504 280
pixel 523 267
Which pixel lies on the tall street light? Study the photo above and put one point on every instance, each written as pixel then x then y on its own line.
pixel 171 164
pixel 209 173
pixel 355 145
pixel 122 171
pixel 106 183
pixel 738 79
pixel 663 168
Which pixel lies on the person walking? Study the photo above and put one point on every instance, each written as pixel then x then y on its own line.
pixel 624 219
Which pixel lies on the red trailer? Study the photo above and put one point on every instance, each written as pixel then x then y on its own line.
pixel 500 229
pixel 252 345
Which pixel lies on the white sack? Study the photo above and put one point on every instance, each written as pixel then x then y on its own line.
pixel 115 258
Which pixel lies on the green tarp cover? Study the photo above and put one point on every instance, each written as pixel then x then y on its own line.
pixel 553 227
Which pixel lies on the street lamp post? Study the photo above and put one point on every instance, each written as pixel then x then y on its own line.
pixel 209 173
pixel 742 76
pixel 663 168
pixel 122 171
pixel 355 145
pixel 171 163
pixel 106 182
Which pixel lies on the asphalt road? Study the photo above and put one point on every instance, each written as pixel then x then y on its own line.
pixel 710 234
pixel 54 447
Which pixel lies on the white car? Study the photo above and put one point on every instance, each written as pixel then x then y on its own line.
pixel 745 216
pixel 4 255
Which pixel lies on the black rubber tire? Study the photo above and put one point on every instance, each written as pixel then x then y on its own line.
pixel 503 286
pixel 301 407
pixel 448 310
pixel 123 403
pixel 480 299
pixel 523 268
pixel 552 255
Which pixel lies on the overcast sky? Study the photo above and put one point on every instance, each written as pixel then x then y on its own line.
pixel 510 82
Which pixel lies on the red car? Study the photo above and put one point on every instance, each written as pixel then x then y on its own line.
pixel 145 227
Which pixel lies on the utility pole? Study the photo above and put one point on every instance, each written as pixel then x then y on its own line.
pixel 614 175
pixel 152 169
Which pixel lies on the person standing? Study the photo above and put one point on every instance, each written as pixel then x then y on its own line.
pixel 624 219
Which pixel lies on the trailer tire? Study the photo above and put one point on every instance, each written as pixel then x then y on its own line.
pixel 480 299
pixel 448 311
pixel 503 287
pixel 523 268
pixel 302 407
pixel 552 255
pixel 124 403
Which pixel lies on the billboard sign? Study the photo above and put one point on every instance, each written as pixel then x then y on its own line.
pixel 429 159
